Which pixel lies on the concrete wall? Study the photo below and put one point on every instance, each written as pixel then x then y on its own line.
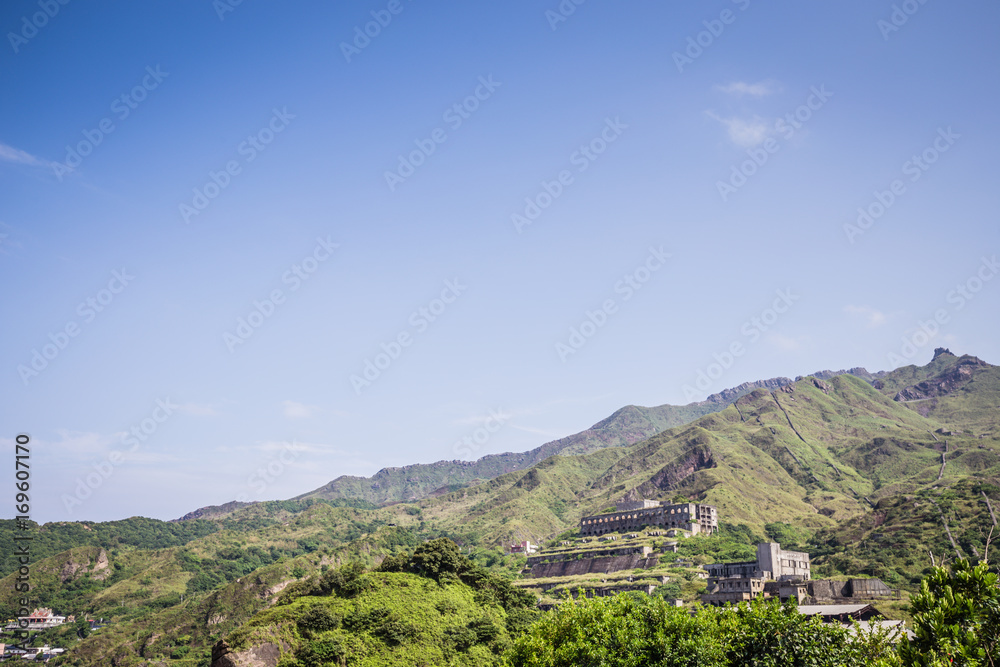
pixel 569 568
pixel 591 553
pixel 783 565
pixel 691 517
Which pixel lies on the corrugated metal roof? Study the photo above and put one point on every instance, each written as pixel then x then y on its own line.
pixel 831 609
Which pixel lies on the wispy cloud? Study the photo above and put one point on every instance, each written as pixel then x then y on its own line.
pixel 480 419
pixel 295 410
pixel 17 156
pixel 546 433
pixel 745 133
pixel 872 316
pixel 741 88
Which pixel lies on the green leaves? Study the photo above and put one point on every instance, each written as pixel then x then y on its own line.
pixel 626 631
pixel 956 618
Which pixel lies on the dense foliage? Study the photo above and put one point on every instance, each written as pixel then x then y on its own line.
pixel 956 618
pixel 429 606
pixel 638 631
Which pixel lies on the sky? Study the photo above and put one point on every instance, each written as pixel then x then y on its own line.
pixel 248 247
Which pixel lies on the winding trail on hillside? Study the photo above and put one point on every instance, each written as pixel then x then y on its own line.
pixel 944 461
pixel 736 404
pixel 782 408
pixel 989 507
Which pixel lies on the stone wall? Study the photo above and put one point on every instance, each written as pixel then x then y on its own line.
pixel 591 553
pixel 569 568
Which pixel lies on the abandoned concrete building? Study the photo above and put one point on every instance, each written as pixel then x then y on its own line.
pixel 773 564
pixel 632 515
pixel 784 574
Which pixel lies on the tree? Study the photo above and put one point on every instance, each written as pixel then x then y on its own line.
pixel 956 618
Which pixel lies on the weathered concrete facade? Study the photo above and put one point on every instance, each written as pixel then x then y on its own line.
pixel 773 563
pixel 783 574
pixel 691 517
pixel 604 565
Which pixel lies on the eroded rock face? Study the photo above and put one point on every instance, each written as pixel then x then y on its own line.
pixel 101 571
pixel 69 570
pixel 265 655
pixel 669 477
pixel 730 395
pixel 946 383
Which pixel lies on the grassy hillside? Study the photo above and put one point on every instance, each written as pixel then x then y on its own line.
pixel 810 453
pixel 431 607
pixel 833 466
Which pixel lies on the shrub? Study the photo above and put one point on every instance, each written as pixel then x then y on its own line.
pixel 317 619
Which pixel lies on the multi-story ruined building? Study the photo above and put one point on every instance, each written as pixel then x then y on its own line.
pixel 781 574
pixel 632 515
pixel 773 564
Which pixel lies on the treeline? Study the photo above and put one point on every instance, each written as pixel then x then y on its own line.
pixel 144 533
pixel 136 532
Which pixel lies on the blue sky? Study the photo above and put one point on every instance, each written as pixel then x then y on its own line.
pixel 515 217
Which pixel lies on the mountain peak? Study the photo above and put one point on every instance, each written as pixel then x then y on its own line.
pixel 938 351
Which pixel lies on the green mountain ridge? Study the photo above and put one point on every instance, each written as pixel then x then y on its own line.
pixel 864 479
pixel 626 426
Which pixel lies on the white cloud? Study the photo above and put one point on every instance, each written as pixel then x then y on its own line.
pixel 759 89
pixel 294 410
pixel 745 133
pixel 873 317
pixel 17 156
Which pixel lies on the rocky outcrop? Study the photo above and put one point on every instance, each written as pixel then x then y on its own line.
pixel 265 655
pixel 857 371
pixel 947 382
pixel 69 570
pixel 101 570
pixel 727 396
pixel 670 476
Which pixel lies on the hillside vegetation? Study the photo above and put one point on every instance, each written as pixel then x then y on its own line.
pixel 869 475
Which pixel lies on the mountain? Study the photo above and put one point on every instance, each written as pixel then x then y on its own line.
pixel 626 426
pixel 871 473
pixel 813 452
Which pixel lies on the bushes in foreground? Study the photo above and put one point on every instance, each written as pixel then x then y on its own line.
pixel 634 631
pixel 956 622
